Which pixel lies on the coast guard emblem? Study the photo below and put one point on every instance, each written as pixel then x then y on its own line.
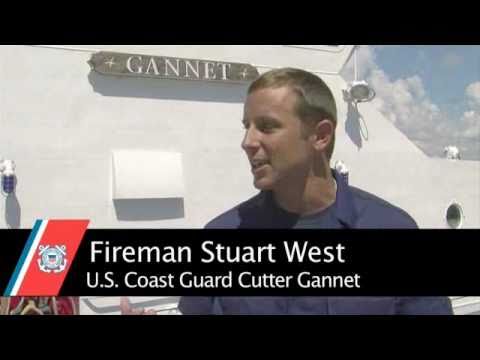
pixel 52 258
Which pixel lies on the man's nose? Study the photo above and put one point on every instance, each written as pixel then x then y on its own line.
pixel 251 140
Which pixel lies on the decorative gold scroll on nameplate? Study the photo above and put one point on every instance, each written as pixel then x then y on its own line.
pixel 161 67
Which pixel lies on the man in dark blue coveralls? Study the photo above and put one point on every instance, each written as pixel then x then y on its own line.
pixel 290 118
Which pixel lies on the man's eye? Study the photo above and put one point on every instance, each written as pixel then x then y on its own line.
pixel 267 127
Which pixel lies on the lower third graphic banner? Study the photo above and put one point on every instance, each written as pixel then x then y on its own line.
pixel 62 257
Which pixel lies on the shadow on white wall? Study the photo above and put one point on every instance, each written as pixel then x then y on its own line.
pixel 149 209
pixel 167 89
pixel 353 125
pixel 12 211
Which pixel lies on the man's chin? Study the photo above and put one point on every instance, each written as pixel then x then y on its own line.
pixel 263 184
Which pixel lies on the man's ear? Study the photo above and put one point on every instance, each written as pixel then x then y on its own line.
pixel 323 134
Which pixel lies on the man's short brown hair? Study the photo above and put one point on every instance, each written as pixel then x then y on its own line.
pixel 315 100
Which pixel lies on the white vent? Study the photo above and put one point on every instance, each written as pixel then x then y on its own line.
pixel 146 174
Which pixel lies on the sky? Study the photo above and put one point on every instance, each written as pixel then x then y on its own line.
pixel 430 92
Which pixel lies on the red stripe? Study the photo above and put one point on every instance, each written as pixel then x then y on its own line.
pixel 68 233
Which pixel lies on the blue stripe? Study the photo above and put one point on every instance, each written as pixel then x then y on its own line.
pixel 25 251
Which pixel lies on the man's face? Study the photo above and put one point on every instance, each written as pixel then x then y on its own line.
pixel 279 152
